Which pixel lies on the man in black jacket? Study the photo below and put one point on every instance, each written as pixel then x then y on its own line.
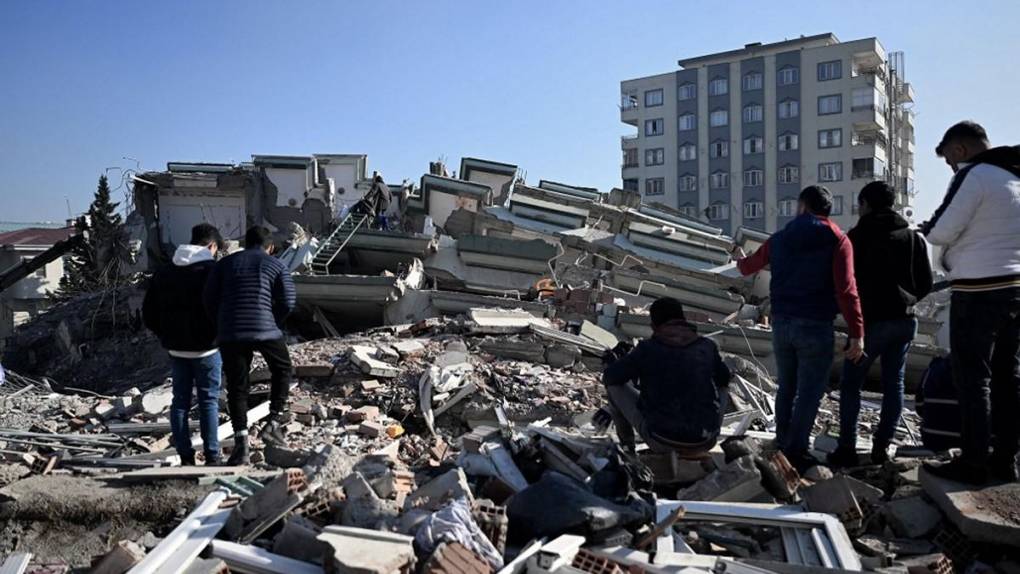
pixel 893 273
pixel 249 294
pixel 173 310
pixel 677 404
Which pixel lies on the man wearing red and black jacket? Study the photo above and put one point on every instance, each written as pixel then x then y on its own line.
pixel 811 261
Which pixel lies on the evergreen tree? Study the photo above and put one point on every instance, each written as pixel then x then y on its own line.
pixel 97 263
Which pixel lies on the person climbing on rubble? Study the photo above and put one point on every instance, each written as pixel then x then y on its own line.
pixel 376 202
pixel 173 310
pixel 249 294
pixel 978 225
pixel 670 388
pixel 811 261
pixel 893 273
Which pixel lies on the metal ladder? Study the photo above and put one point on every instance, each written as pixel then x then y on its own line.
pixel 335 243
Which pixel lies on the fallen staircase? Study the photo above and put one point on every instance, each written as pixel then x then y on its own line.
pixel 331 247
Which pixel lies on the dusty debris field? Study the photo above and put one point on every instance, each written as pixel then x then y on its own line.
pixel 455 445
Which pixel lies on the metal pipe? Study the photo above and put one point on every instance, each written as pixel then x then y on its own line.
pixel 252 560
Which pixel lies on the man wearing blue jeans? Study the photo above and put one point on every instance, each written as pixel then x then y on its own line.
pixel 811 261
pixel 174 310
pixel 893 273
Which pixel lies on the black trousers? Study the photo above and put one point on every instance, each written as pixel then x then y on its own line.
pixel 985 340
pixel 237 357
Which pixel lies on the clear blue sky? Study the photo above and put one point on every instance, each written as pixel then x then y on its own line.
pixel 85 83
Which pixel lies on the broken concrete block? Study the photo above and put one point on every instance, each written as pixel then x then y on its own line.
pixel 104 409
pixel 156 401
pixel 284 457
pixel 598 334
pixel 779 477
pixel 911 517
pixel 517 350
pixel 408 348
pixel 818 473
pixel 386 353
pixel 299 540
pixel 372 429
pixel 305 418
pixel 455 558
pixel 986 514
pixel 394 483
pixel 561 356
pixel 472 442
pixel 363 357
pixel 363 551
pixel 834 496
pixel 370 385
pixel 121 558
pixel 669 469
pixel 738 481
pixel 503 320
pixel 434 494
pixel 362 414
pixel 206 566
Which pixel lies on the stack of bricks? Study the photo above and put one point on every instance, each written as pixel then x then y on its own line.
pixel 493 522
pixel 586 561
pixel 455 558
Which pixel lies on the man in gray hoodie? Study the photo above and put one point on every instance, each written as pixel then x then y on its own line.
pixel 173 309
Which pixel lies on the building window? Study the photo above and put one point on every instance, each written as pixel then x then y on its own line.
pixel 854 208
pixel 789 109
pixel 688 182
pixel 830 104
pixel 789 142
pixel 688 209
pixel 653 98
pixel 753 209
pixel 718 87
pixel 654 127
pixel 832 171
pixel 719 148
pixel 754 177
pixel 719 180
pixel 752 113
pixel 788 75
pixel 655 156
pixel 686 91
pixel 867 168
pixel 688 151
pixel 753 144
pixel 686 122
pixel 655 186
pixel 830 70
pixel 837 205
pixel 719 118
pixel 628 101
pixel 630 184
pixel 867 98
pixel 788 207
pixel 789 174
pixel 752 81
pixel 630 157
pixel 830 138
pixel 718 211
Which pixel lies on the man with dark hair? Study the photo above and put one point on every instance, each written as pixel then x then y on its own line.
pixel 893 273
pixel 978 226
pixel 812 279
pixel 249 294
pixel 677 403
pixel 173 310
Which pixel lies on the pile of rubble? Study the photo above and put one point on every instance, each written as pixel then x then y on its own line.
pixel 465 445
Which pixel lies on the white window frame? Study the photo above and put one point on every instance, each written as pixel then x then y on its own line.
pixel 719 180
pixel 788 174
pixel 661 99
pixel 752 81
pixel 718 211
pixel 749 145
pixel 686 91
pixel 753 113
pixel 829 133
pixel 713 117
pixel 649 183
pixel 718 86
pixel 789 141
pixel 837 205
pixel 687 152
pixel 838 98
pixel 754 210
pixel 754 177
pixel 788 76
pixel 688 209
pixel 653 122
pixel 657 155
pixel 634 151
pixel 787 207
pixel 789 109
pixel 831 70
pixel 688 182
pixel 686 122
pixel 830 171
pixel 723 149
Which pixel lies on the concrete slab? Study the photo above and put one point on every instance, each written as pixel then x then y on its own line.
pixel 598 334
pixel 911 517
pixel 738 481
pixel 362 356
pixel 363 551
pixel 504 320
pixel 990 514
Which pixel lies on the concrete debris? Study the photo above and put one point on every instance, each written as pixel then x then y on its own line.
pixel 738 481
pixel 120 558
pixel 361 551
pixel 911 517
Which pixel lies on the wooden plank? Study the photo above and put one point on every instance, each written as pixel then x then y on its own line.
pixel 183 473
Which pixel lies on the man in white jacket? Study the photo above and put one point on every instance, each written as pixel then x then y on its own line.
pixel 978 225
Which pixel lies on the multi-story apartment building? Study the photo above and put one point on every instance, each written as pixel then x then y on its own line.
pixel 733 137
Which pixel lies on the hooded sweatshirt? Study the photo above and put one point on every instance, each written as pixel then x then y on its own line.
pixel 891 266
pixel 679 375
pixel 173 308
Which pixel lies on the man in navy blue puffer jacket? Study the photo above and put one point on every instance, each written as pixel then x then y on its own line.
pixel 249 294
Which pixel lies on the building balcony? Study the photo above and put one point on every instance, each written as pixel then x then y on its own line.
pixel 905 92
pixel 867 119
pixel 629 116
pixel 868 62
pixel 628 141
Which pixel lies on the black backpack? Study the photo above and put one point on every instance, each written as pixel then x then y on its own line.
pixel 938 406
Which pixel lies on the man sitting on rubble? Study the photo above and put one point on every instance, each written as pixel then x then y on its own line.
pixel 811 261
pixel 677 401
pixel 249 294
pixel 173 310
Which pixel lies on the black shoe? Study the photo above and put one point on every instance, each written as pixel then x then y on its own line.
pixel 213 458
pixel 843 457
pixel 879 453
pixel 959 471
pixel 1003 469
pixel 241 454
pixel 801 461
pixel 188 459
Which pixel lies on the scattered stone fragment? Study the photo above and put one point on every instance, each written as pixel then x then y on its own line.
pixel 911 517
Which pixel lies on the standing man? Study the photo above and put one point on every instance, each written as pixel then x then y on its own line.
pixel 812 280
pixel 249 294
pixel 978 224
pixel 173 310
pixel 893 273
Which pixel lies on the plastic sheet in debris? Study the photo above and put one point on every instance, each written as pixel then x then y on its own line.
pixel 454 523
